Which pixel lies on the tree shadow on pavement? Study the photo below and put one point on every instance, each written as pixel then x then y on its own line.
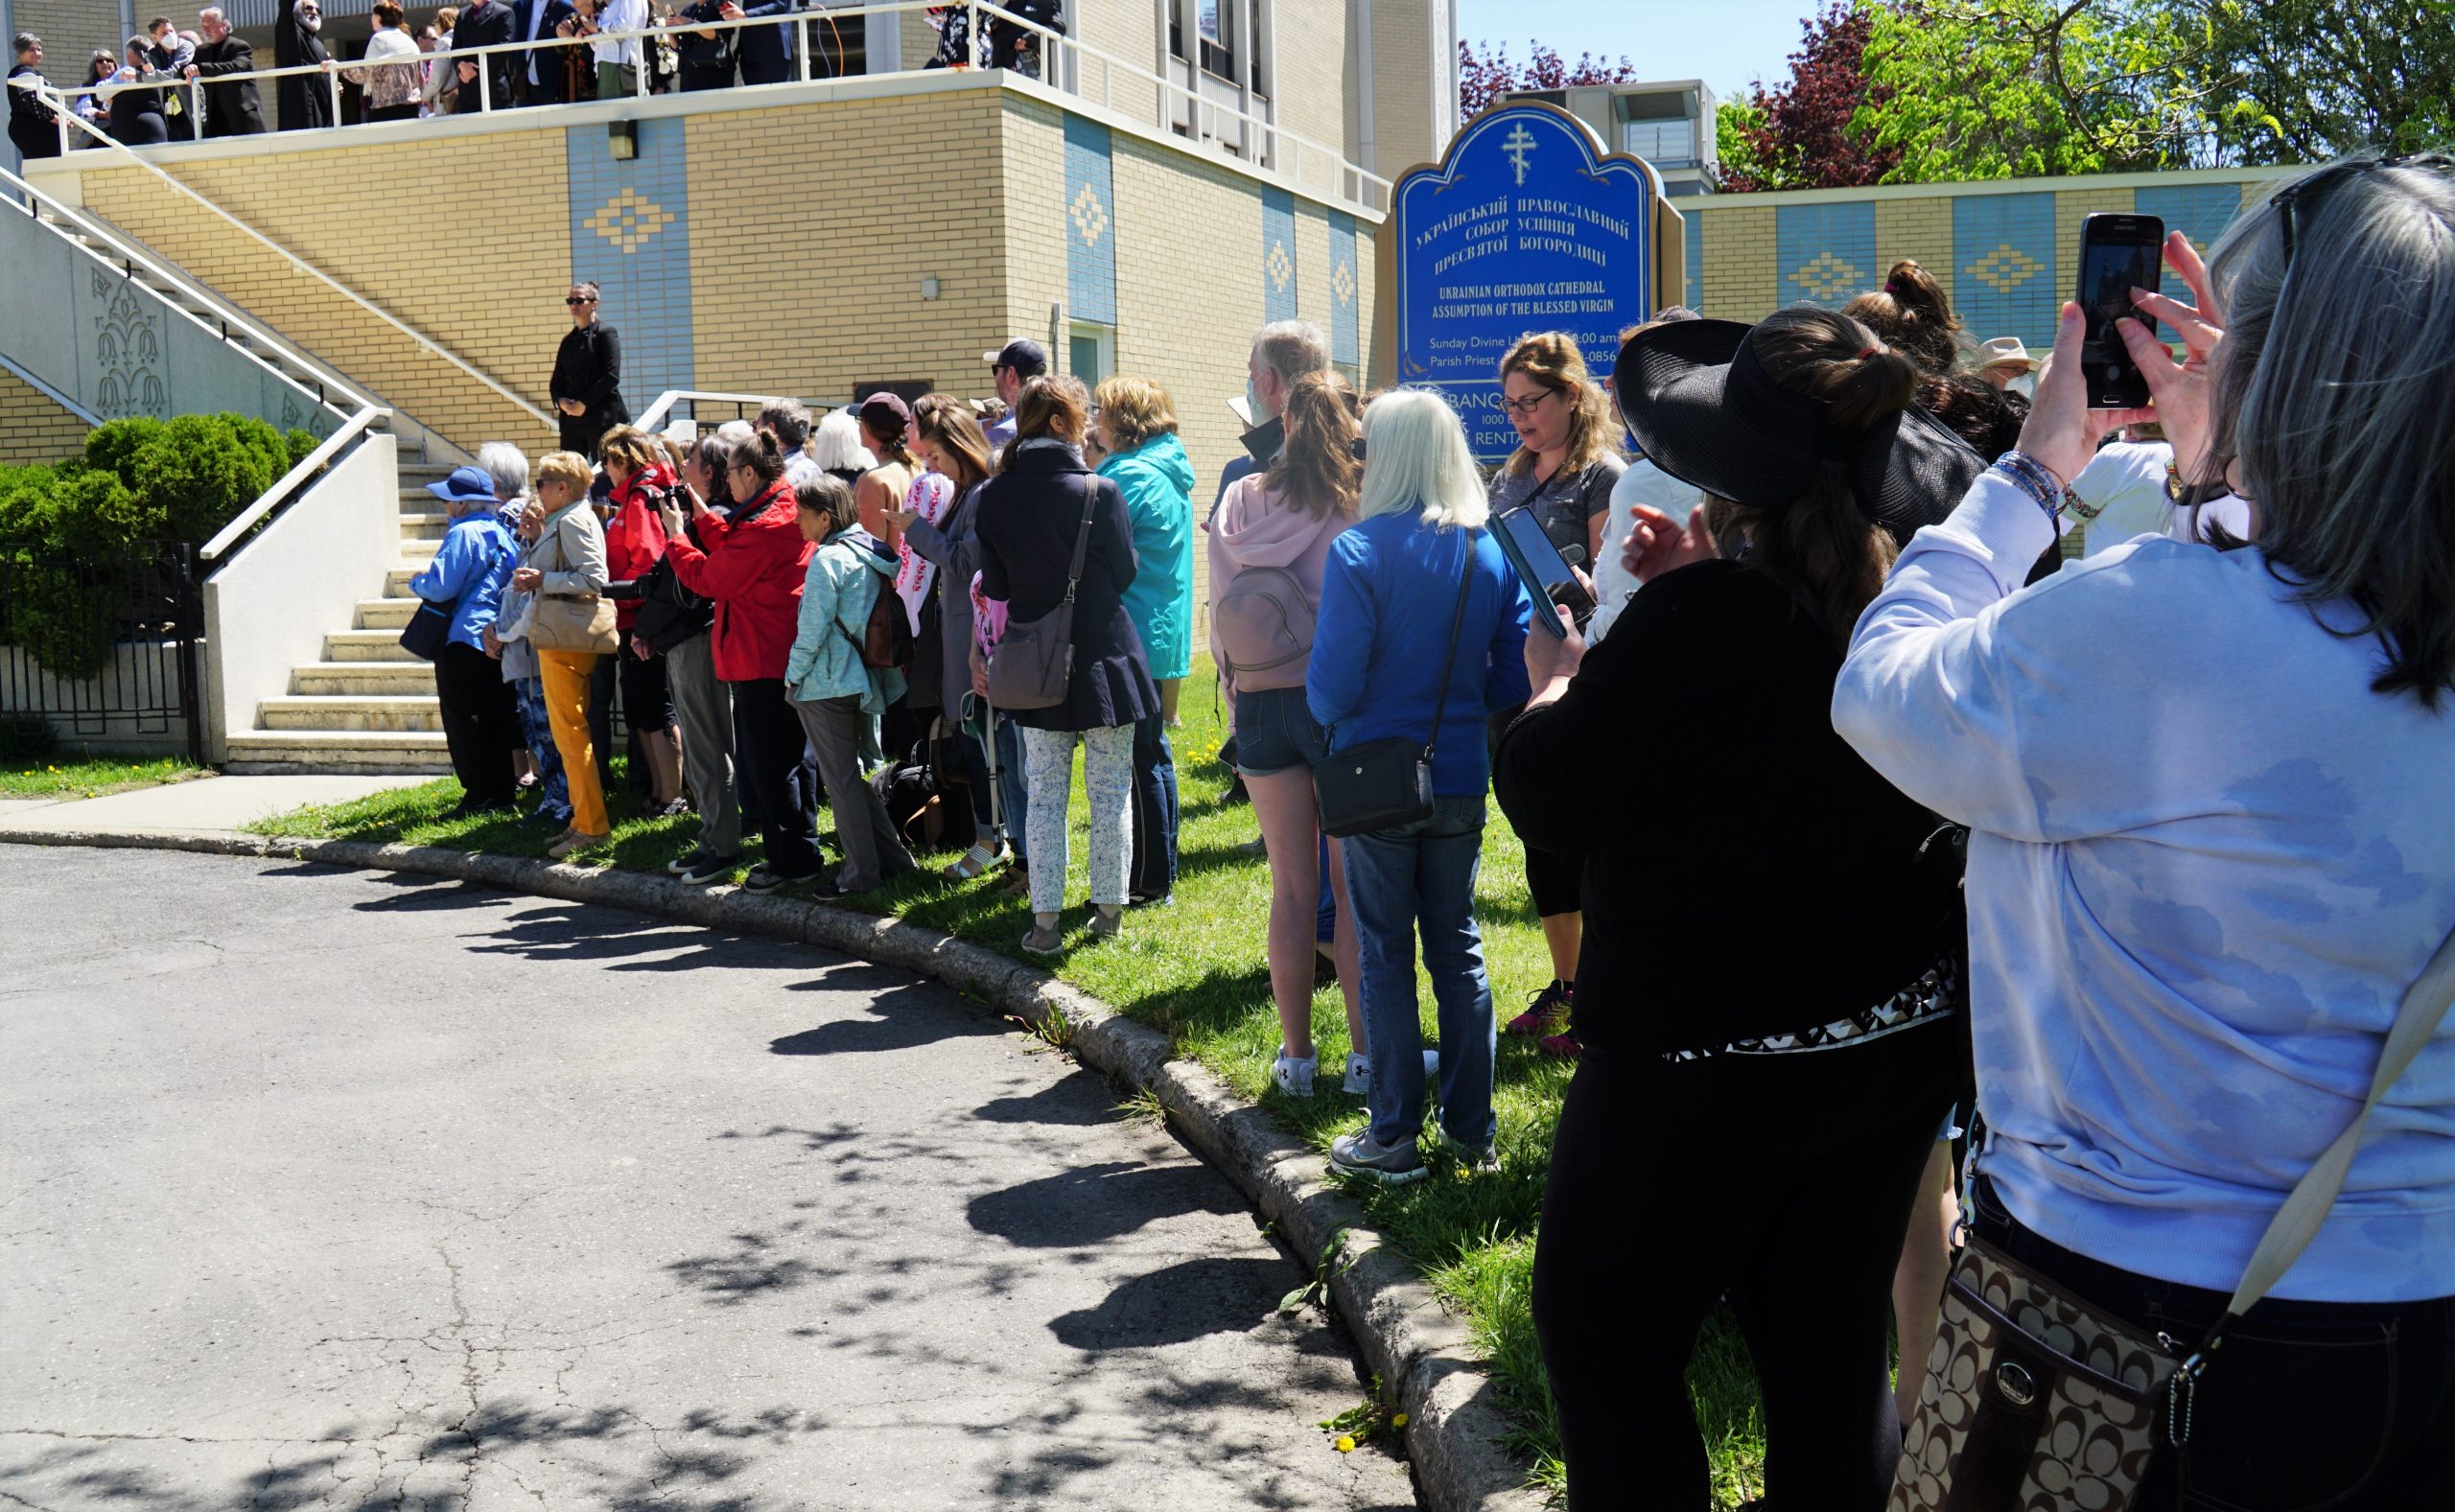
pixel 1093 1204
pixel 905 1017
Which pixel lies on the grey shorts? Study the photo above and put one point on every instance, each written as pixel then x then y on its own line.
pixel 1275 731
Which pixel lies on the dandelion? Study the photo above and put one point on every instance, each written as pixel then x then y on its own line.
pixel 1345 1444
pixel 1397 1420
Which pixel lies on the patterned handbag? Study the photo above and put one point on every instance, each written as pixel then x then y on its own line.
pixel 2035 1402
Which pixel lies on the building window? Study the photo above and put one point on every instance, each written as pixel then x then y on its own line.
pixel 1219 30
pixel 1090 352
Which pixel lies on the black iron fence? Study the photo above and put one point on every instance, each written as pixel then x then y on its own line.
pixel 104 645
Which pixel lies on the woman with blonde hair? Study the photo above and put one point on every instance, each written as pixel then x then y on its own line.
pixel 568 561
pixel 1420 637
pixel 1269 547
pixel 636 467
pixel 1564 471
pixel 1135 425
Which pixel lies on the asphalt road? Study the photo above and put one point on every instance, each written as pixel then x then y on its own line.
pixel 321 1188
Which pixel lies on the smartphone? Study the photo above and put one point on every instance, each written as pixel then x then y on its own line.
pixel 1546 572
pixel 2118 253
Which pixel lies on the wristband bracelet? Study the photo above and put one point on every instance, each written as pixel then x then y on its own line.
pixel 2036 480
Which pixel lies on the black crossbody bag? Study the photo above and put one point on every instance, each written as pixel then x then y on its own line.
pixel 1386 785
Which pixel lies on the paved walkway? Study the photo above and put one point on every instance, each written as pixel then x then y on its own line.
pixel 212 804
pixel 326 1188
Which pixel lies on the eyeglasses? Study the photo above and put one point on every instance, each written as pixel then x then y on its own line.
pixel 2302 197
pixel 578 299
pixel 1528 404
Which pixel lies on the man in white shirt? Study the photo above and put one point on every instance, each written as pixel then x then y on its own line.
pixel 618 62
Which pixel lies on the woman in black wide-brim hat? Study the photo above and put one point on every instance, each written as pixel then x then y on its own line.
pixel 1768 993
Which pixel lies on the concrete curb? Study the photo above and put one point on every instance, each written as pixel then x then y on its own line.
pixel 1455 1424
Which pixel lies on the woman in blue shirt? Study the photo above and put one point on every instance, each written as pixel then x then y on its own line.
pixel 469 572
pixel 1391 606
pixel 1137 426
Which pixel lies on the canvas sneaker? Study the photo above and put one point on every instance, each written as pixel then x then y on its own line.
pixel 1547 1014
pixel 1356 1154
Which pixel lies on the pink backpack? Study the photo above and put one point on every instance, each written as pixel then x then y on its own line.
pixel 1264 620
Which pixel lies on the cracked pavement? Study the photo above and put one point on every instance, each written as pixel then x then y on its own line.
pixel 323 1189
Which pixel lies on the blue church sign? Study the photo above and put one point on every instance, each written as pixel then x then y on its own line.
pixel 1525 225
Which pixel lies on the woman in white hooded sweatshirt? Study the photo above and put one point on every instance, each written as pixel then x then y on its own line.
pixel 1270 543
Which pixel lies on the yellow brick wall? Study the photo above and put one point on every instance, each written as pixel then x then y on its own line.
pixel 810 296
pixel 1740 281
pixel 1921 230
pixel 72 29
pixel 33 427
pixel 1402 76
pixel 1310 88
pixel 484 281
pixel 2070 208
pixel 1127 30
pixel 1367 288
pixel 1031 189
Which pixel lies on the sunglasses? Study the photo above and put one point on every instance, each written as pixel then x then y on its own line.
pixel 576 300
pixel 2303 198
pixel 1528 404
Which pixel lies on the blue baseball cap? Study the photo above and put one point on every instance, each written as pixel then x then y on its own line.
pixel 463 485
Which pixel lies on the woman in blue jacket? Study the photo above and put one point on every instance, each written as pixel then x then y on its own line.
pixel 467 579
pixel 1136 426
pixel 833 690
pixel 1415 576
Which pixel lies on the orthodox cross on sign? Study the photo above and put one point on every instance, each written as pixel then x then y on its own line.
pixel 1518 146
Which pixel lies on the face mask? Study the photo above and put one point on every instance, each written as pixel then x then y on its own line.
pixel 1254 402
pixel 2024 386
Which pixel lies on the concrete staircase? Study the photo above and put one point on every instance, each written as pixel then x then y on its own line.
pixel 368 706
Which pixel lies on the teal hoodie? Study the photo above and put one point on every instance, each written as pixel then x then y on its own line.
pixel 1157 479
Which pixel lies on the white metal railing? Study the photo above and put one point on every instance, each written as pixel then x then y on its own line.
pixel 1061 67
pixel 339 395
pixel 309 270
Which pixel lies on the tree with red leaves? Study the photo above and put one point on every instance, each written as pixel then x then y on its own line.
pixel 1484 75
pixel 1798 136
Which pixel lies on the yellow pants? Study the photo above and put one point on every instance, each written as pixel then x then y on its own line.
pixel 565 678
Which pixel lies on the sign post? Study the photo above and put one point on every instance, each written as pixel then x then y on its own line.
pixel 1525 225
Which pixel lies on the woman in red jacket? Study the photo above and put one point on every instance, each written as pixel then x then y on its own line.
pixel 753 567
pixel 643 480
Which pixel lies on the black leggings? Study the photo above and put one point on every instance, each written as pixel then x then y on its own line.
pixel 1784 1181
pixel 1556 880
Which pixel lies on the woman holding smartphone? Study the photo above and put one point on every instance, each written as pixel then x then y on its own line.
pixel 1562 474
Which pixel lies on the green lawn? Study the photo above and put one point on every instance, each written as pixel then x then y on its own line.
pixel 1197 971
pixel 66 777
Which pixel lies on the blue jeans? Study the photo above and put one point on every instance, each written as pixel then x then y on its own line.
pixel 1014 785
pixel 1396 880
pixel 1155 810
pixel 554 792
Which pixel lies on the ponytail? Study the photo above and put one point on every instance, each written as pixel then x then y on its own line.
pixel 1912 312
pixel 761 453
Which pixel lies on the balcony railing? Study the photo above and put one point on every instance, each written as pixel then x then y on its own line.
pixel 1306 163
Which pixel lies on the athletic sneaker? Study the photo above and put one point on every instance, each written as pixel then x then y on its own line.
pixel 763 880
pixel 704 869
pixel 1562 1046
pixel 1356 1154
pixel 1547 1014
pixel 1293 1077
pixel 1483 1161
pixel 1105 925
pixel 1359 1075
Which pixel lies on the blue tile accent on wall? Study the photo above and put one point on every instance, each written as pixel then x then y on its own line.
pixel 630 230
pixel 1278 255
pixel 2003 262
pixel 2200 211
pixel 1090 217
pixel 1694 238
pixel 1825 254
pixel 1346 285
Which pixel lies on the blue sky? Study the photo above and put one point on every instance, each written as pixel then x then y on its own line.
pixel 1727 43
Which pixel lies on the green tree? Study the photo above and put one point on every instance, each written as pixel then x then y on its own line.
pixel 2309 80
pixel 1738 128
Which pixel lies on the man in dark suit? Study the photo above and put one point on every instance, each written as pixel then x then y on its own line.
pixel 543 76
pixel 485 24
pixel 766 52
pixel 230 110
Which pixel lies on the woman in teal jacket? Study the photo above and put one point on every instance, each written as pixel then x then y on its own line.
pixel 1137 428
pixel 835 693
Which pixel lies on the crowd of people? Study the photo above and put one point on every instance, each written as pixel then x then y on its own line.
pixel 169 84
pixel 1860 815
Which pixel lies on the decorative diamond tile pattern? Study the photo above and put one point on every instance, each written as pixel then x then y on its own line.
pixel 1088 213
pixel 1827 253
pixel 630 231
pixel 2005 269
pixel 1278 254
pixel 1345 293
pixel 2006 281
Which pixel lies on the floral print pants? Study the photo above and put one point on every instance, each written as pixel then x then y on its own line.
pixel 1107 780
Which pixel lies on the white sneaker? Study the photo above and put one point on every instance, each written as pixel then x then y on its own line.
pixel 1359 1075
pixel 1293 1077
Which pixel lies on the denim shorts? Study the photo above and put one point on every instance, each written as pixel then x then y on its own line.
pixel 1274 732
